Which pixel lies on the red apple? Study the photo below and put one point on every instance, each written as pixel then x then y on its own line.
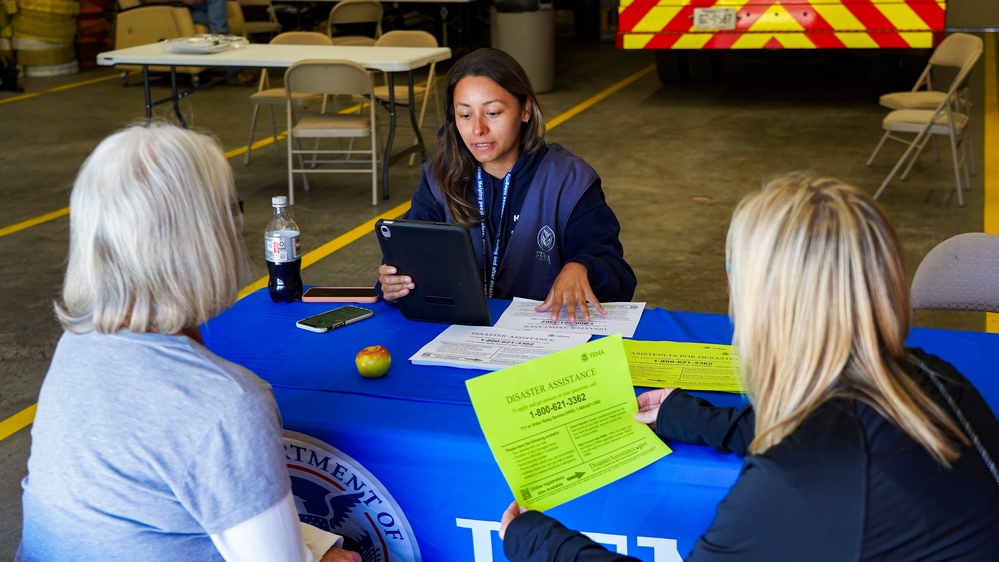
pixel 373 361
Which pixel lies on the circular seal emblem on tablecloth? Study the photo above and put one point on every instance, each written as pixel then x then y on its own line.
pixel 335 493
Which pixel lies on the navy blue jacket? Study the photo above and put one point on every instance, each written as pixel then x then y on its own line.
pixel 555 213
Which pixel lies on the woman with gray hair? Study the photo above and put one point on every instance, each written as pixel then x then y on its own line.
pixel 145 444
pixel 858 448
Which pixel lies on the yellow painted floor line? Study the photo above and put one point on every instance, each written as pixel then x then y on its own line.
pixel 268 140
pixel 257 145
pixel 32 222
pixel 597 98
pixel 282 135
pixel 18 421
pixel 24 418
pixel 991 147
pixel 59 89
pixel 65 210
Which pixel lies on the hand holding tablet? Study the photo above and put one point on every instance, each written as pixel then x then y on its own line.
pixel 438 257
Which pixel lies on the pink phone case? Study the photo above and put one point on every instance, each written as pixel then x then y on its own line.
pixel 340 294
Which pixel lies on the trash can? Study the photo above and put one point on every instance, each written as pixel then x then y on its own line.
pixel 529 37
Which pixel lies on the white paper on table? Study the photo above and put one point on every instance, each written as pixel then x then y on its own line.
pixel 482 347
pixel 622 318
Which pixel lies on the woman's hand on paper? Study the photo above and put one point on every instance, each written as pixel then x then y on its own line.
pixel 648 405
pixel 340 555
pixel 509 515
pixel 571 289
pixel 394 286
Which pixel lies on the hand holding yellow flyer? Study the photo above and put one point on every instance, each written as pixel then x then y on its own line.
pixel 563 425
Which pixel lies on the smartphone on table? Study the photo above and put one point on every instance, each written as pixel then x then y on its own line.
pixel 340 294
pixel 333 319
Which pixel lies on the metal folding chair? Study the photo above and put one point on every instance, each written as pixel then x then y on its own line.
pixel 421 92
pixel 347 15
pixel 923 95
pixel 271 97
pixel 332 78
pixel 944 119
pixel 960 273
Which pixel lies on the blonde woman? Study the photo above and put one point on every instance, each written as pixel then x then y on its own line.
pixel 858 448
pixel 146 445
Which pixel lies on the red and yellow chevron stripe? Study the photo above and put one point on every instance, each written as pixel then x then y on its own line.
pixel 784 24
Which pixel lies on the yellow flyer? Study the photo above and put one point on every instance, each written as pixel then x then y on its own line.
pixel 562 425
pixel 691 366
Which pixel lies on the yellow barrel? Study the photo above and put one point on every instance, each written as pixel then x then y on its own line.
pixel 41 58
pixel 44 31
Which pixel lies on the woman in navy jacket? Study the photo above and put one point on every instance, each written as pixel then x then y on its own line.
pixel 854 452
pixel 540 226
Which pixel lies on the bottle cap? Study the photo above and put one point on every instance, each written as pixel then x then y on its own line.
pixel 279 201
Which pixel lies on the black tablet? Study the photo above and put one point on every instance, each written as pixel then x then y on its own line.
pixel 440 259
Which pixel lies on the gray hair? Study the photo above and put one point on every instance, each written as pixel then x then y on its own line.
pixel 154 246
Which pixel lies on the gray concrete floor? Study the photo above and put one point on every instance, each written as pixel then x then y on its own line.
pixel 674 161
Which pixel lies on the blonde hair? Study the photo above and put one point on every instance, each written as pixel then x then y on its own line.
pixel 154 246
pixel 820 303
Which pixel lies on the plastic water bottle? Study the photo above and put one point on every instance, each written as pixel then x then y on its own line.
pixel 283 252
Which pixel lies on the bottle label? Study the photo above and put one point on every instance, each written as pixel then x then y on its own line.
pixel 281 247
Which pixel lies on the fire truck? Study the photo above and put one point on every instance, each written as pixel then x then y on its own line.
pixel 691 36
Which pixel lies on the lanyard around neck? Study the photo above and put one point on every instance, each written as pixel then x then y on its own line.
pixel 489 280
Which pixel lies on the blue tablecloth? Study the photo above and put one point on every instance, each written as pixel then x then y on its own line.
pixel 261 335
pixel 415 431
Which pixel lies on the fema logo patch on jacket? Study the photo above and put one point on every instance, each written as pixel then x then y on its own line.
pixel 335 493
pixel 546 238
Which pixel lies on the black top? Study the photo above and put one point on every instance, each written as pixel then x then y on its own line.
pixel 845 486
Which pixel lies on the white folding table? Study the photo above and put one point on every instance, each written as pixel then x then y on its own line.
pixel 386 59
